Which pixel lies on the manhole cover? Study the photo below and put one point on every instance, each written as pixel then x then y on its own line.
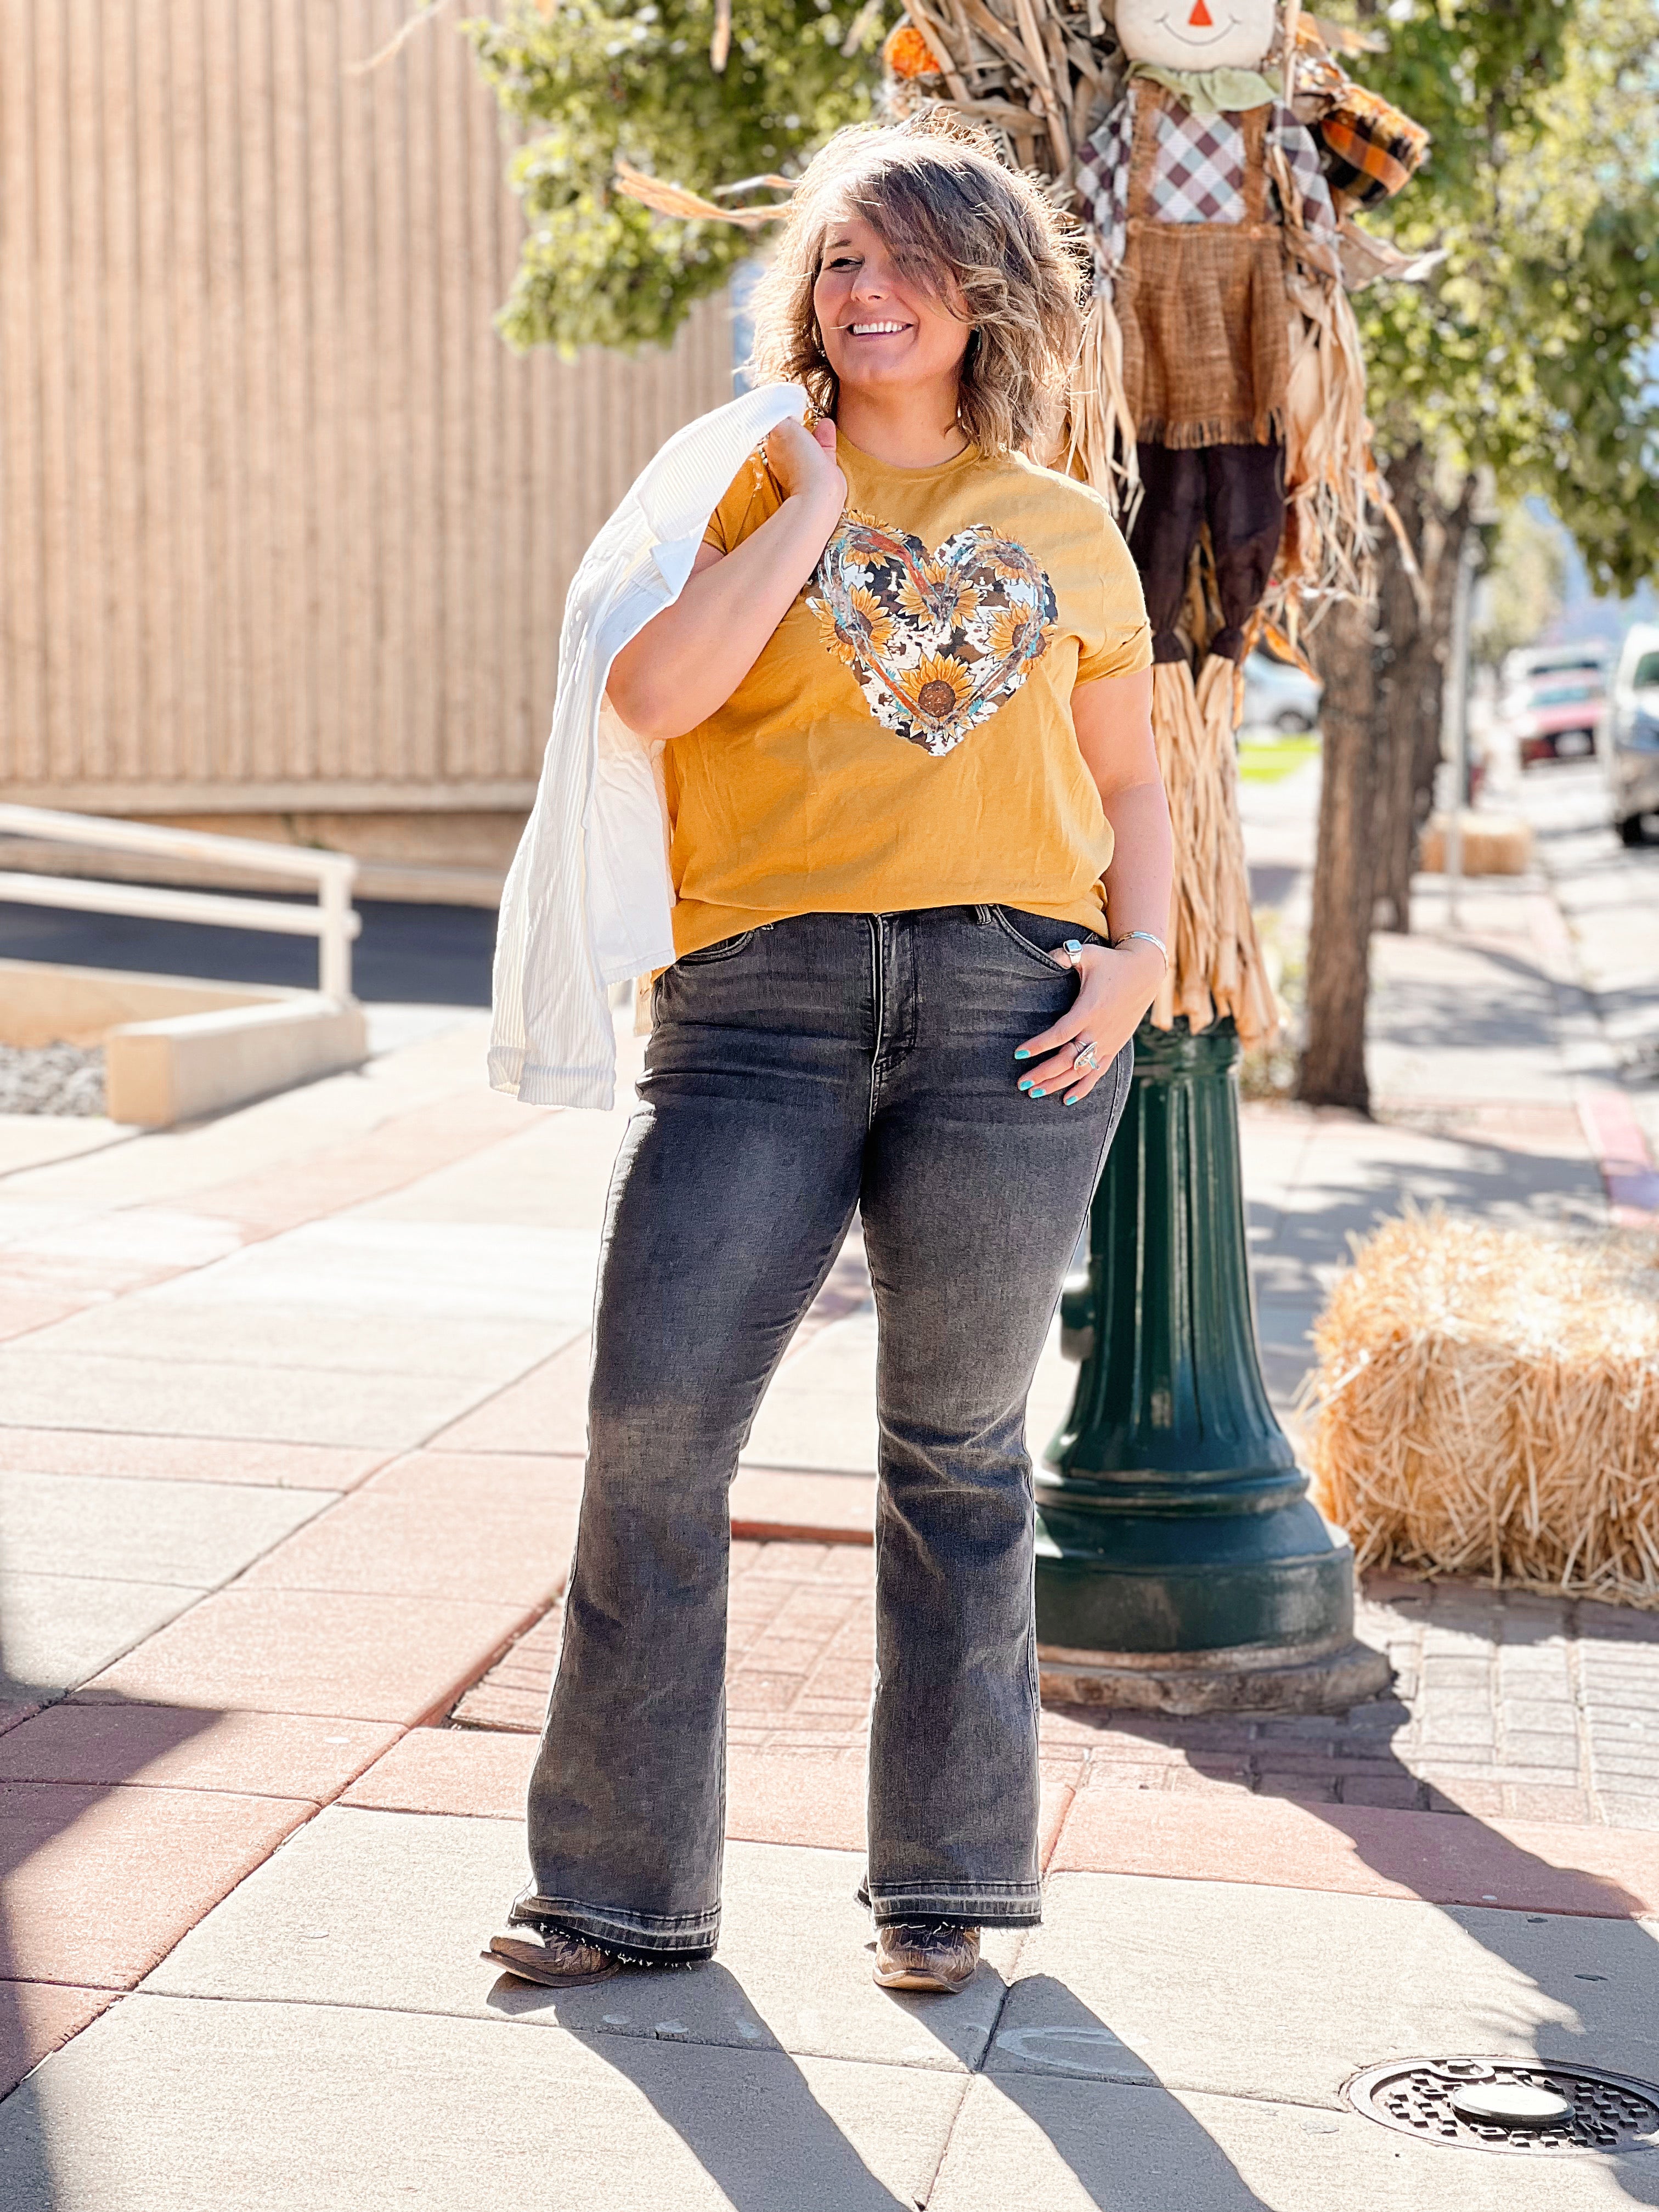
pixel 1510 2104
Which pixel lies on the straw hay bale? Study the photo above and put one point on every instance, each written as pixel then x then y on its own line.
pixel 1487 1403
pixel 1493 845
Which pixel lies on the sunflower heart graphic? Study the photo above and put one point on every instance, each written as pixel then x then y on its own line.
pixel 936 641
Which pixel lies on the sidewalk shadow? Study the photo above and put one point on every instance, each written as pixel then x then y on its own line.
pixel 767 2151
pixel 775 2147
pixel 1535 1893
pixel 1159 2159
pixel 28 1998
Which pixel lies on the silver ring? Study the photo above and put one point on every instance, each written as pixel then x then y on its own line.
pixel 1084 1057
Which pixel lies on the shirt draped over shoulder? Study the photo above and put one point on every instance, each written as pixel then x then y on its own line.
pixel 587 900
pixel 905 738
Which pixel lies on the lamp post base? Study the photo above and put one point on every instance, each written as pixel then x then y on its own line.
pixel 1250 1678
pixel 1180 1565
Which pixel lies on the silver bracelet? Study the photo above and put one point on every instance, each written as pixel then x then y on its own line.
pixel 1151 938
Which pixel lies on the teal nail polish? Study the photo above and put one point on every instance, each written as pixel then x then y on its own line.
pixel 1072 1101
pixel 1036 1092
pixel 1024 1082
pixel 1020 1053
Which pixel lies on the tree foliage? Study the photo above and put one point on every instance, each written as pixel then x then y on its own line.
pixel 599 78
pixel 1532 348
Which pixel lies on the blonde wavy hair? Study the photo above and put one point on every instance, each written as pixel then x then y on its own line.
pixel 982 238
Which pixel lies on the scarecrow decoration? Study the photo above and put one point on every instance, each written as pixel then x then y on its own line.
pixel 1218 403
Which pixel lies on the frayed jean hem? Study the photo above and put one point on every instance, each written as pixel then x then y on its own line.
pixel 641 1938
pixel 996 1905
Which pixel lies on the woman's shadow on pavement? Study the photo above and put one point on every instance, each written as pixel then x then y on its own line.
pixel 766 2138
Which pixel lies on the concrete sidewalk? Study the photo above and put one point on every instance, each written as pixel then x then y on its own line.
pixel 290 1437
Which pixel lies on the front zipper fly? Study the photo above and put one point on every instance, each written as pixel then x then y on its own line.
pixel 878 1003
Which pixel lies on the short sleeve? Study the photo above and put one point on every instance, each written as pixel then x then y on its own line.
pixel 747 502
pixel 1122 645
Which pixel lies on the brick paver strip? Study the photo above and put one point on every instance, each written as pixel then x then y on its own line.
pixel 131 1247
pixel 1471 1730
pixel 813 1798
pixel 359 1658
pixel 37 2018
pixel 187 1458
pixel 1360 1851
pixel 1621 1146
pixel 102 1883
pixel 23 1309
pixel 395 1153
pixel 173 1747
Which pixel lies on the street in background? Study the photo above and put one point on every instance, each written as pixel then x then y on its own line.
pixel 1278 697
pixel 1554 700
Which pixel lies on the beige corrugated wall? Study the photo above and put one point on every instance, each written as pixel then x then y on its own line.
pixel 282 522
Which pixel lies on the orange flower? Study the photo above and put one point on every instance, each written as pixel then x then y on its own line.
pixel 871 619
pixel 829 637
pixel 939 687
pixel 908 54
pixel 1009 628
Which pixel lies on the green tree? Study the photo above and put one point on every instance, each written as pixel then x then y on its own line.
pixel 595 79
pixel 1529 351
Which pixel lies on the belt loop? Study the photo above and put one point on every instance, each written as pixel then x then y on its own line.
pixel 984 915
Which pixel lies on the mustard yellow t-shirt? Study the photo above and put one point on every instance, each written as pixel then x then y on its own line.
pixel 905 738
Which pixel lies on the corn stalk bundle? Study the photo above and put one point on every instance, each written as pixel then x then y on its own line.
pixel 1043 75
pixel 1216 969
pixel 1039 74
pixel 1487 1402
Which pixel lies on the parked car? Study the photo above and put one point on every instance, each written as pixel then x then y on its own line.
pixel 1630 756
pixel 1554 698
pixel 1278 697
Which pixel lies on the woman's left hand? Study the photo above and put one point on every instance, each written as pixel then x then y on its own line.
pixel 1115 989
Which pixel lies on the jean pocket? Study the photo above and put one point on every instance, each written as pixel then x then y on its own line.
pixel 724 949
pixel 1008 921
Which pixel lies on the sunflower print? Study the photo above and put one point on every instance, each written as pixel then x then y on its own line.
pixel 937 641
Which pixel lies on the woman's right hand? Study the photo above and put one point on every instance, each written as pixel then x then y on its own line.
pixel 803 463
pixel 687 661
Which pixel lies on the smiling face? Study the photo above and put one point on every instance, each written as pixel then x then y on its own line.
pixel 1196 34
pixel 881 329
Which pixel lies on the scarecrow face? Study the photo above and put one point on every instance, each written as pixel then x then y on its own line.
pixel 1196 34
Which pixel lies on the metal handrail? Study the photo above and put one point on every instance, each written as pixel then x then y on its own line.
pixel 332 921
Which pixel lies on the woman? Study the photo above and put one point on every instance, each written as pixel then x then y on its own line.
pixel 920 851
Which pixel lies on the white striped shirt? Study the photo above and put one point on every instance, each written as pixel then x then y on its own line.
pixel 588 899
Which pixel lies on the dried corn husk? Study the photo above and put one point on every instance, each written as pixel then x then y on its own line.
pixel 1330 480
pixel 1099 441
pixel 1216 967
pixel 1488 1404
pixel 1040 73
pixel 673 199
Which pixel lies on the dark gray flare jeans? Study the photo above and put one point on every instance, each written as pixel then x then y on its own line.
pixel 799 1073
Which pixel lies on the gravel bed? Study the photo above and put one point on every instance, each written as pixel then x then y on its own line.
pixel 52 1079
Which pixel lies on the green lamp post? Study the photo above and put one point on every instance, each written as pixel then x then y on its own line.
pixel 1181 1564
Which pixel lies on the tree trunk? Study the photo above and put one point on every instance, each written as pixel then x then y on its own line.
pixel 1402 671
pixel 1384 675
pixel 1415 639
pixel 1333 1066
